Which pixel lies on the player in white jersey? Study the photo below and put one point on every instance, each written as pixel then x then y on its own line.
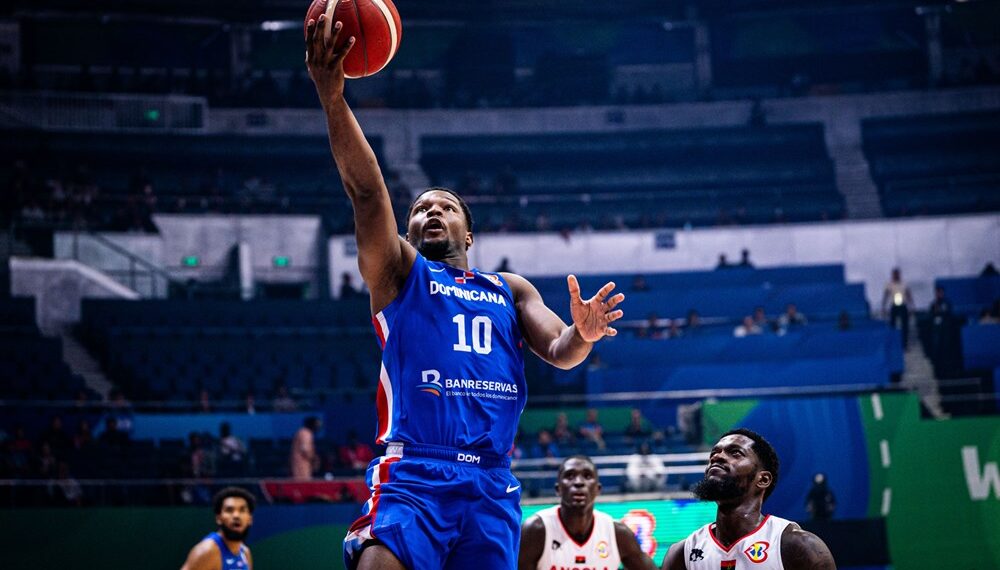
pixel 742 472
pixel 572 535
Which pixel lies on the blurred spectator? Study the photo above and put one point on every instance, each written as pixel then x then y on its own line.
pixel 204 402
pixel 231 448
pixel 645 472
pixel 504 266
pixel 897 296
pixel 651 329
pixel 250 403
pixel 45 463
pixel 723 262
pixel 745 258
pixel 844 321
pixel 347 290
pixel 200 461
pixel 21 450
pixel 283 402
pixel 692 324
pixel 760 319
pixel 791 318
pixel 637 426
pixel 121 409
pixel 303 459
pixel 747 328
pixel 56 437
pixel 65 491
pixel 562 432
pixel 639 283
pixel 820 502
pixel 112 437
pixel 989 270
pixel 990 315
pixel 592 430
pixel 83 439
pixel 355 453
pixel 545 447
pixel 674 329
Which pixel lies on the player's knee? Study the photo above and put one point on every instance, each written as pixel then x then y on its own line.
pixel 379 557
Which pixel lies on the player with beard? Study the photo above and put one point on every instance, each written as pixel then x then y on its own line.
pixel 451 386
pixel 224 548
pixel 742 473
pixel 573 534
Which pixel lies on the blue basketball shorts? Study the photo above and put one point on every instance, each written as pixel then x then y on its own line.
pixel 437 507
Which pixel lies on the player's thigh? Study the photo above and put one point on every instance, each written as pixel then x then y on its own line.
pixel 378 557
pixel 491 535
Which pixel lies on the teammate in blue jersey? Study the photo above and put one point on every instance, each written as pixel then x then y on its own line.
pixel 451 386
pixel 224 548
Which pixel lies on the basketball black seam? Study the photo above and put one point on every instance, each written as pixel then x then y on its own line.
pixel 361 32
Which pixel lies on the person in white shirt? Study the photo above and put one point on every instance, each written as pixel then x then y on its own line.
pixel 897 302
pixel 742 472
pixel 574 535
pixel 645 471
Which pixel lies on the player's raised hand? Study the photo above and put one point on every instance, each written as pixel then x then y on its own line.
pixel 594 316
pixel 324 62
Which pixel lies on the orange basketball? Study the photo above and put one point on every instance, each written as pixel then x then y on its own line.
pixel 375 26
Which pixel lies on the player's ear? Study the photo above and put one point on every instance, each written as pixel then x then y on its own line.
pixel 468 240
pixel 764 479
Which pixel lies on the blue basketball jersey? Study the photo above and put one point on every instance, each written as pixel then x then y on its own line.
pixel 452 368
pixel 230 561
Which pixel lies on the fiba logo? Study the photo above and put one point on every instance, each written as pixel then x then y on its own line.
pixel 430 382
pixel 642 523
pixel 757 552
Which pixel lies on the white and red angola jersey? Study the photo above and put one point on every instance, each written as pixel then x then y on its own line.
pixel 759 550
pixel 561 552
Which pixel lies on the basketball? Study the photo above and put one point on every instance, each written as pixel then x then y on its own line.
pixel 374 23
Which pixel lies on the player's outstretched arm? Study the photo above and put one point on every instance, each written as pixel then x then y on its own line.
pixel 633 558
pixel 384 258
pixel 674 560
pixel 803 550
pixel 532 544
pixel 549 337
pixel 204 556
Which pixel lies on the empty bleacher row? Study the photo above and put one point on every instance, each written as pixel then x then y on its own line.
pixel 642 179
pixel 935 164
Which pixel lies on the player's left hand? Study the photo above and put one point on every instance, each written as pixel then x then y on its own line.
pixel 594 316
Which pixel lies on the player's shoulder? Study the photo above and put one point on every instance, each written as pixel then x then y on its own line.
pixel 519 286
pixel 533 525
pixel 803 549
pixel 674 560
pixel 204 555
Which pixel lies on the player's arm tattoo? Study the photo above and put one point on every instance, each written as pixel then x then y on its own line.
pixel 633 558
pixel 532 543
pixel 802 550
pixel 674 560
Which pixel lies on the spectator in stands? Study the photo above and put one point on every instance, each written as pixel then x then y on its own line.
pixel 844 321
pixel 232 450
pixel 65 491
pixel 545 446
pixel 56 437
pixel 83 439
pixel 562 432
pixel 747 328
pixel 791 318
pixel 282 401
pixel 990 315
pixel 645 472
pixel 45 462
pixel 112 437
pixel 674 329
pixel 820 502
pixel 897 296
pixel 121 409
pixel 304 459
pixel 250 403
pixel 356 454
pixel 504 266
pixel 347 289
pixel 723 262
pixel 639 283
pixel 637 426
pixel 21 450
pixel 204 402
pixel 591 429
pixel 745 258
pixel 989 270
pixel 760 319
pixel 651 329
pixel 692 324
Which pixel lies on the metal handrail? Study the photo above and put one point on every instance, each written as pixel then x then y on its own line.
pixel 133 260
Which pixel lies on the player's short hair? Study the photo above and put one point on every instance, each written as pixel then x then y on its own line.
pixel 765 453
pixel 228 492
pixel 580 456
pixel 461 202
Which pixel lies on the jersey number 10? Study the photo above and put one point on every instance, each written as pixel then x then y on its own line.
pixel 482 335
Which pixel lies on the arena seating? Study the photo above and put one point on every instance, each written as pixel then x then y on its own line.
pixel 969 295
pixel 981 346
pixel 647 178
pixel 936 164
pixel 31 365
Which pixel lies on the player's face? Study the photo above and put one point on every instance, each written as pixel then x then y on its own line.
pixel 578 485
pixel 235 519
pixel 437 226
pixel 732 469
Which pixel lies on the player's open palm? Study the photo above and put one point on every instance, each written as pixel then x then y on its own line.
pixel 594 316
pixel 323 60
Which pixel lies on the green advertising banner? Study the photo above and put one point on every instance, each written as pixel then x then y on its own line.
pixel 656 524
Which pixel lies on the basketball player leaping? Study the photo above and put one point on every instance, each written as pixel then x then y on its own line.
pixel 451 387
pixel 573 534
pixel 742 472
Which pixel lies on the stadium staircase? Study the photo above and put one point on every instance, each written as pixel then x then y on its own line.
pixel 918 375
